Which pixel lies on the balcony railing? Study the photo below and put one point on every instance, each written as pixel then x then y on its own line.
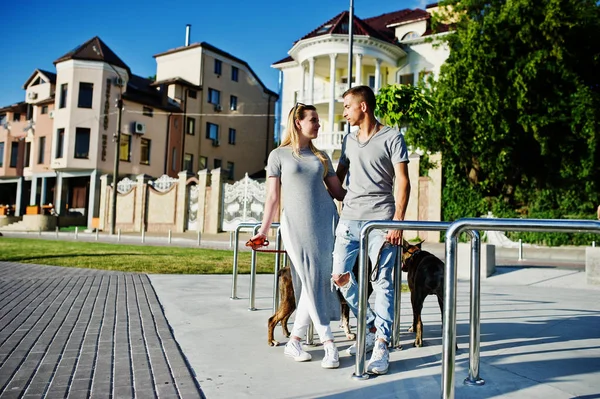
pixel 328 141
pixel 322 92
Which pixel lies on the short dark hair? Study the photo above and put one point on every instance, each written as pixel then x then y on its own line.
pixel 364 93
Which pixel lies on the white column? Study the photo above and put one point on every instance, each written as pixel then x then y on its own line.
pixel 311 80
pixel 33 193
pixel 377 75
pixel 18 200
pixel 358 69
pixel 332 82
pixel 58 188
pixel 43 193
pixel 303 87
pixel 92 197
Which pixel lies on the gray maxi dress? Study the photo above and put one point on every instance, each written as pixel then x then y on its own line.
pixel 308 221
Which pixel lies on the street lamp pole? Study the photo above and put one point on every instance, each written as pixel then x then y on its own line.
pixel 117 139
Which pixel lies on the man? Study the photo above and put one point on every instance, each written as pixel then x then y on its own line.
pixel 372 159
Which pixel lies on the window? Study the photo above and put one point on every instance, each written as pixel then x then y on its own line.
pixel 41 149
pixel 192 93
pixel 191 126
pixel 230 170
pixel 14 154
pixel 60 140
pixel 345 79
pixel 188 163
pixel 125 148
pixel 234 73
pixel 232 136
pixel 1 154
pixel 202 162
pixel 148 111
pixel 3 119
pixel 62 102
pixel 372 81
pixel 82 143
pixel 410 35
pixel 16 116
pixel 174 159
pixel 27 155
pixel 145 151
pixel 218 67
pixel 407 79
pixel 233 103
pixel 214 96
pixel 212 131
pixel 217 163
pixel 86 94
pixel 44 109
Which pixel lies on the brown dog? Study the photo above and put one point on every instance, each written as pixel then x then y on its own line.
pixel 425 277
pixel 287 305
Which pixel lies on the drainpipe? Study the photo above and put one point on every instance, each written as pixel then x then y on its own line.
pixel 185 101
pixel 167 148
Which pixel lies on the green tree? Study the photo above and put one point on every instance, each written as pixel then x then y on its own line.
pixel 516 109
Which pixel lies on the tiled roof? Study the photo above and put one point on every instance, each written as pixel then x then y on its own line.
pixel 176 80
pixel 381 22
pixel 94 50
pixel 141 91
pixel 412 15
pixel 49 75
pixel 284 60
pixel 17 107
pixel 339 25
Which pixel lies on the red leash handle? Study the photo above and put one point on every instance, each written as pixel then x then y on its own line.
pixel 260 242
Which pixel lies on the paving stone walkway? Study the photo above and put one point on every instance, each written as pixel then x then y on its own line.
pixel 81 333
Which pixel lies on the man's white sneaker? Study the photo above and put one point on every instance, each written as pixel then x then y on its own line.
pixel 294 350
pixel 370 341
pixel 380 359
pixel 332 357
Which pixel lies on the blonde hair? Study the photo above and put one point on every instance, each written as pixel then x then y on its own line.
pixel 292 134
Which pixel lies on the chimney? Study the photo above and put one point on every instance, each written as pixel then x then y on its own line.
pixel 187 34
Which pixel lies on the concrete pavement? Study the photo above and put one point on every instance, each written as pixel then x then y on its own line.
pixel 540 338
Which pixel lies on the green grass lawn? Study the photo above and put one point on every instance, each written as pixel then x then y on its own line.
pixel 129 258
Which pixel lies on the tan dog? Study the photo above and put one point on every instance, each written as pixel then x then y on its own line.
pixel 287 305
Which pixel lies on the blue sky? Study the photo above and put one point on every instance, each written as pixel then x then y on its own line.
pixel 35 33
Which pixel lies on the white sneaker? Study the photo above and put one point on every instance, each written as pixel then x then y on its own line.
pixel 380 359
pixel 294 350
pixel 332 357
pixel 370 341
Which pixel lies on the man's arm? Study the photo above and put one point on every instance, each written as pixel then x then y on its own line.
pixel 341 172
pixel 401 196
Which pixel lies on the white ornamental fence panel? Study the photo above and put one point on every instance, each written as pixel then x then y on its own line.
pixel 243 202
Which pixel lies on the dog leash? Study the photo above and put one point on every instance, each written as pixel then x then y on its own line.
pixel 259 243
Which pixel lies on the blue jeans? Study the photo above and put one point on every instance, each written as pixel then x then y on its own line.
pixel 347 236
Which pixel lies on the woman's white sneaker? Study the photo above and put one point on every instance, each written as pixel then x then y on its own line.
pixel 294 350
pixel 369 341
pixel 332 357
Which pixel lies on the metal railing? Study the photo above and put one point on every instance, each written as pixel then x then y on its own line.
pixel 450 277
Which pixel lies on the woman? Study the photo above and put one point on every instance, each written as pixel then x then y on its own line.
pixel 308 222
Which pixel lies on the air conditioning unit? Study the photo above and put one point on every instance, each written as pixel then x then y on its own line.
pixel 218 108
pixel 51 114
pixel 32 96
pixel 139 128
pixel 118 82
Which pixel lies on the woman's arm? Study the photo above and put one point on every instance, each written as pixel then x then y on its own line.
pixel 335 187
pixel 271 206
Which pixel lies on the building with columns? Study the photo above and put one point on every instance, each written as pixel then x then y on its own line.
pixel 396 47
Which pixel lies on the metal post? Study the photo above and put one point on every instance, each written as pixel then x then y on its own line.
pixel 235 257
pixel 97 232
pixel 278 246
pixel 520 249
pixel 76 232
pixel 199 237
pixel 475 311
pixel 143 235
pixel 230 239
pixel 56 231
pixel 363 256
pixel 450 281
pixel 40 231
pixel 593 244
pixel 169 239
pixel 119 235
pixel 253 273
pixel 310 334
pixel 397 299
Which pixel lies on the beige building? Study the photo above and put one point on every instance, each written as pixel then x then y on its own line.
pixel 206 109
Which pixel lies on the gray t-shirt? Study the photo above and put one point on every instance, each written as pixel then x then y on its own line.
pixel 370 178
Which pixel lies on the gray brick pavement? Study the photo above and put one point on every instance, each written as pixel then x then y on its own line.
pixel 82 333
